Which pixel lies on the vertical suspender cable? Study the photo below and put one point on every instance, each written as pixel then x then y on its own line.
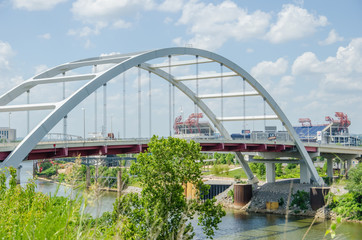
pixel 105 110
pixel 264 114
pixel 197 83
pixel 244 80
pixel 124 105
pixel 150 103
pixel 28 113
pixel 139 101
pixel 95 106
pixel 169 95
pixel 222 91
pixel 65 117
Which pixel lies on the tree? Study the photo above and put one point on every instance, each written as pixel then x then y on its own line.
pixel 162 211
pixel 278 169
pixel 355 180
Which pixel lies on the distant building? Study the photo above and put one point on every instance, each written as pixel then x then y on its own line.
pixel 8 134
pixel 192 127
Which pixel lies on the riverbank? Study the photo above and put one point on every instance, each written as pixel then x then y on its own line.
pixel 281 192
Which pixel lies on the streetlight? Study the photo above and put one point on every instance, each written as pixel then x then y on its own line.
pixel 83 109
pixel 9 119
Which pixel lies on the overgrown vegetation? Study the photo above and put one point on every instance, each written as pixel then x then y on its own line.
pixel 300 199
pixel 349 205
pixel 162 209
pixel 160 212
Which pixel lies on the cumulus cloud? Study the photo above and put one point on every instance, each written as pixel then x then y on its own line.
pixel 6 52
pixel 36 5
pixel 171 5
pixel 348 60
pixel 87 31
pixel 228 21
pixel 95 11
pixel 269 68
pixel 294 23
pixel 332 38
pixel 99 14
pixel 334 76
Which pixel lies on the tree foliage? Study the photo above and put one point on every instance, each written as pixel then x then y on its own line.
pixel 162 211
pixel 355 179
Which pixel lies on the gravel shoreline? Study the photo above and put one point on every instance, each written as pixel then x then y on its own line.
pixel 274 192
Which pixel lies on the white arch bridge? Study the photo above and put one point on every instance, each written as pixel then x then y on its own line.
pixel 168 61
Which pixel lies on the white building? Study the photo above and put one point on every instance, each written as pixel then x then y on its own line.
pixel 8 134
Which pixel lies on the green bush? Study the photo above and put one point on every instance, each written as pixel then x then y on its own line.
pixel 291 166
pixel 258 168
pixel 45 165
pixel 300 199
pixel 355 179
pixel 281 201
pixel 278 169
pixel 48 172
pixel 348 205
pixel 231 194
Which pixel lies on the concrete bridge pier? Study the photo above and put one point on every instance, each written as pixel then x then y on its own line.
pixel 270 172
pixel 330 168
pixel 304 173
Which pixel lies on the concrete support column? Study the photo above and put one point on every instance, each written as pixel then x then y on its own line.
pixel 270 172
pixel 330 167
pixel 304 173
pixel 18 174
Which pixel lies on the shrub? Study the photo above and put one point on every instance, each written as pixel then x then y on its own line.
pixel 355 179
pixel 231 194
pixel 278 169
pixel 300 199
pixel 281 201
pixel 45 165
pixel 291 166
pixel 348 205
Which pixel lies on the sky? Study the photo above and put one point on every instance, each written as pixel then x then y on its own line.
pixel 306 54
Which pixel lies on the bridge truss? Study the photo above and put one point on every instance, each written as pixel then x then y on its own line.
pixel 144 60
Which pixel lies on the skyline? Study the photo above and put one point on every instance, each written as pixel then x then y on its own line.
pixel 306 54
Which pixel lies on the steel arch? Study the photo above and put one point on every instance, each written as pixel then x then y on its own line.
pixel 123 63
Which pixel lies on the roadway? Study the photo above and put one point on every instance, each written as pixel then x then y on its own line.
pixel 58 149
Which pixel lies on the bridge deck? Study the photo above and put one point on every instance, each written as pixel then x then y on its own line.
pixel 107 147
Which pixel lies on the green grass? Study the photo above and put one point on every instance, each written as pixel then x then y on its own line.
pixel 232 173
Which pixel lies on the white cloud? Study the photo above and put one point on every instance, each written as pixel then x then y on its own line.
pixel 100 14
pixel 266 69
pixel 45 36
pixel 36 5
pixel 348 60
pixel 212 25
pixel 336 77
pixel 171 5
pixel 95 11
pixel 332 38
pixel 122 24
pixel 294 23
pixel 88 31
pixel 6 52
pixel 249 50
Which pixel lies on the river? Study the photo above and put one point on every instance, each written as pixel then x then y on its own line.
pixel 234 225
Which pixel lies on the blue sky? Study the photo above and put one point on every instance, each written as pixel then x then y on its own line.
pixel 307 54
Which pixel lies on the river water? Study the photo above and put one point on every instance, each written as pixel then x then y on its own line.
pixel 234 225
